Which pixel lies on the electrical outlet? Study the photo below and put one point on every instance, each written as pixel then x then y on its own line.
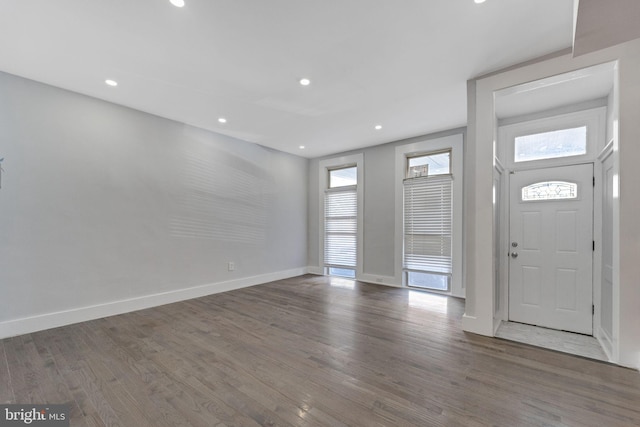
pixel 231 265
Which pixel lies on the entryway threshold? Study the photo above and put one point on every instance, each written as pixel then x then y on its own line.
pixel 566 342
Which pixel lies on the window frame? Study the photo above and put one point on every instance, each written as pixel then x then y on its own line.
pixel 454 144
pixel 578 191
pixel 593 119
pixel 422 183
pixel 340 192
pixel 324 168
pixel 332 169
pixel 407 273
pixel 550 156
pixel 425 154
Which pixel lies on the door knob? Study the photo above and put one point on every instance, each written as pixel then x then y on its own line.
pixel 514 254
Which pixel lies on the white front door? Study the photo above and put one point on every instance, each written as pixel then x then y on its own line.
pixel 551 252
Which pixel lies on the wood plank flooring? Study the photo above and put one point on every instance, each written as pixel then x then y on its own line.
pixel 309 351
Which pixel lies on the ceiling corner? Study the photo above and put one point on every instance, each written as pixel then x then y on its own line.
pixel 599 24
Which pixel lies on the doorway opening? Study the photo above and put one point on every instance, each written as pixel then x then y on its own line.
pixel 550 211
pixel 551 258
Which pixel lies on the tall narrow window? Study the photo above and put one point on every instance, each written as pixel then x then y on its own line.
pixel 341 222
pixel 428 219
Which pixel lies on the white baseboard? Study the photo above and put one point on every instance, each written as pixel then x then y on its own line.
pixel 367 278
pixel 41 322
pixel 315 270
pixel 496 325
pixel 378 280
pixel 605 342
pixel 477 326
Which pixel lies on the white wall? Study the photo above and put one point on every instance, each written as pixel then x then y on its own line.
pixel 626 231
pixel 103 204
pixel 606 332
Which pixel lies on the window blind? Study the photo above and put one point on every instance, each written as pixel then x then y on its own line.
pixel 341 227
pixel 428 223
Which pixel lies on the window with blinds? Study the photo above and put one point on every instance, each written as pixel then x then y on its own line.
pixel 341 222
pixel 428 221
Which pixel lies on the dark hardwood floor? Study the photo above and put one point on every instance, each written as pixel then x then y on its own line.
pixel 309 351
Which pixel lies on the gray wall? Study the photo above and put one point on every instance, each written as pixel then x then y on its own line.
pixel 379 206
pixel 378 211
pixel 102 203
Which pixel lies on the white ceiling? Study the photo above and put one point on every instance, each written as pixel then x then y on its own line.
pixel 401 64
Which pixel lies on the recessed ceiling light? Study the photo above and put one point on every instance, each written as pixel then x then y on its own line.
pixel 111 82
pixel 177 3
pixel 301 147
pixel 305 82
pixel 479 1
pixel 222 120
pixel 378 127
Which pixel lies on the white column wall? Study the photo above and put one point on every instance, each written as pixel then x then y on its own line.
pixel 479 310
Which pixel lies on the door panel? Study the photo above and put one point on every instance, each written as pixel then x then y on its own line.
pixel 566 233
pixel 550 274
pixel 531 229
pixel 531 281
pixel 567 286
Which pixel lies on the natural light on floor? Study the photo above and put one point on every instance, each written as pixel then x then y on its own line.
pixel 339 282
pixel 430 302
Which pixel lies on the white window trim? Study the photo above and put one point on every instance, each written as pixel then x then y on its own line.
pixel 323 184
pixel 455 144
pixel 594 119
